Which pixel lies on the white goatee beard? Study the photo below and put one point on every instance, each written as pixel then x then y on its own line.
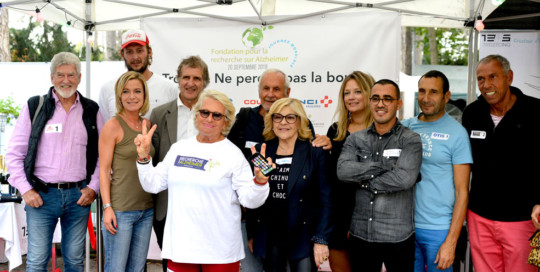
pixel 65 95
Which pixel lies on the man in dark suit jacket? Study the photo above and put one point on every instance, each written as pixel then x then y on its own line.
pixel 174 122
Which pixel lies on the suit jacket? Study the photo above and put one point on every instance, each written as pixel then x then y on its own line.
pixel 308 195
pixel 166 118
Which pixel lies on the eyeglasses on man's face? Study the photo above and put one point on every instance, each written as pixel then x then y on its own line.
pixel 289 118
pixel 385 100
pixel 215 115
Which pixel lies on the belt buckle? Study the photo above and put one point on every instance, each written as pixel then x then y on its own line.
pixel 59 185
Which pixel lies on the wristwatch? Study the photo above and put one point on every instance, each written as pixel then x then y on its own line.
pixel 144 160
pixel 106 206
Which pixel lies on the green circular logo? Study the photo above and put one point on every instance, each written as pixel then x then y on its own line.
pixel 252 37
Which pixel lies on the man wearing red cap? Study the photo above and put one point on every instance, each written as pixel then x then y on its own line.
pixel 137 56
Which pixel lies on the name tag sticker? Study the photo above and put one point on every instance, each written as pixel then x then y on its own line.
pixel 287 160
pixel 440 136
pixel 53 128
pixel 391 152
pixel 249 144
pixel 478 134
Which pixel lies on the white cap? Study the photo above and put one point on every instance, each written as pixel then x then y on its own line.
pixel 134 36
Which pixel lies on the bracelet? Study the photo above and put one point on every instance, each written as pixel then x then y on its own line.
pixel 258 183
pixel 106 206
pixel 144 160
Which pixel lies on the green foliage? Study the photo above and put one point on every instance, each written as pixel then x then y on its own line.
pixel 97 52
pixel 52 40
pixel 22 47
pixel 452 45
pixel 115 55
pixel 27 45
pixel 7 106
pixel 40 42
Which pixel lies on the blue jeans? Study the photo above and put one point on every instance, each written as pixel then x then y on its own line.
pixel 41 222
pixel 427 245
pixel 128 248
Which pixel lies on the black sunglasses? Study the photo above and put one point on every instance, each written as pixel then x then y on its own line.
pixel 215 115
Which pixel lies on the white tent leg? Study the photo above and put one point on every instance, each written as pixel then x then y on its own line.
pixel 87 262
pixel 473 58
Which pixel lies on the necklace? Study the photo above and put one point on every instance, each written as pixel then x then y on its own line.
pixel 137 125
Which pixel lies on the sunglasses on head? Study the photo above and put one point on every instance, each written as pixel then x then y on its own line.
pixel 215 115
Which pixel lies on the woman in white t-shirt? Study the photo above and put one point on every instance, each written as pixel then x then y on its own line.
pixel 208 179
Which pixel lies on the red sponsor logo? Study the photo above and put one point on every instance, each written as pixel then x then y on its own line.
pixel 252 102
pixel 326 101
pixel 134 35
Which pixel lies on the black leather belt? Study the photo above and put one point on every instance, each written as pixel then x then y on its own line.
pixel 65 185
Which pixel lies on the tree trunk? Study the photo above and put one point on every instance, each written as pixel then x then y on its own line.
pixel 418 49
pixel 5 54
pixel 433 47
pixel 406 50
pixel 111 45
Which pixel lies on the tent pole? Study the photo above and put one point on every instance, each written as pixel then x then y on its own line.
pixel 290 18
pixel 383 7
pixel 473 57
pixel 88 77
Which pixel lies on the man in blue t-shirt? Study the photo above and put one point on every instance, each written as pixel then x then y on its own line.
pixel 442 195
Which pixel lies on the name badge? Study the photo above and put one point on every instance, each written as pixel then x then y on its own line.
pixel 249 144
pixel 53 128
pixel 391 152
pixel 478 134
pixel 440 136
pixel 190 162
pixel 287 160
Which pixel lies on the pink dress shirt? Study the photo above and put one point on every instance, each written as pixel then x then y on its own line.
pixel 61 152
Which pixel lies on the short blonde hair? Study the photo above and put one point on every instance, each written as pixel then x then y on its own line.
pixel 224 100
pixel 119 87
pixel 304 133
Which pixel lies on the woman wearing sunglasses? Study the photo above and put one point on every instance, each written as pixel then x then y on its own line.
pixel 352 114
pixel 127 209
pixel 208 179
pixel 293 225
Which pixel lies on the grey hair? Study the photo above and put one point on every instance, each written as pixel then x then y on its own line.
pixel 224 100
pixel 65 58
pixel 275 70
pixel 502 60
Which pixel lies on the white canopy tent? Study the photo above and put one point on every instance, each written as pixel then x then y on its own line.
pixel 119 14
pixel 92 15
pixel 103 15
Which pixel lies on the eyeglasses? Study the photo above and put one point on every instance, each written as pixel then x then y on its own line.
pixel 385 100
pixel 289 118
pixel 215 115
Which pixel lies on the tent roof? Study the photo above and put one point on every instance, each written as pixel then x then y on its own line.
pixel 515 14
pixel 120 14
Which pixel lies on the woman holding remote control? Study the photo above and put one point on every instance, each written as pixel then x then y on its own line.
pixel 208 179
pixel 293 225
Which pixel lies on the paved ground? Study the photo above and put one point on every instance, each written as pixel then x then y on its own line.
pixel 152 266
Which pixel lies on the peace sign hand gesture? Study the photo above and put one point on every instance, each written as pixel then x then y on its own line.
pixel 144 140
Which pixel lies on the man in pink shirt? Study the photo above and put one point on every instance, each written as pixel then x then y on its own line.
pixel 52 158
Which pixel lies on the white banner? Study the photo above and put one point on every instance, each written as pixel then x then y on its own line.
pixel 316 53
pixel 522 49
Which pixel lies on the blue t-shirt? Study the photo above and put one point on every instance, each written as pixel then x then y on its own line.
pixel 445 143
